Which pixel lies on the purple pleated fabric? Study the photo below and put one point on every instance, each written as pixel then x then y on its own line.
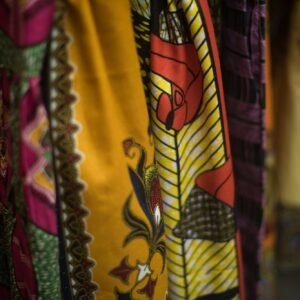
pixel 243 59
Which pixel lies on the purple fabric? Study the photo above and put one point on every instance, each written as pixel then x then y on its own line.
pixel 242 59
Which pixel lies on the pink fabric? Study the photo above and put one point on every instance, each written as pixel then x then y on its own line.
pixel 22 26
pixel 40 201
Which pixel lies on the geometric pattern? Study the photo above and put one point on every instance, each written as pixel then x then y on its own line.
pixel 179 162
pixel 243 68
pixel 172 27
pixel 77 278
pixel 29 196
pixel 36 137
pixel 204 217
pixel 202 261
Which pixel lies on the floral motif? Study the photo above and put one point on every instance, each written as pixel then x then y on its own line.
pixel 123 270
pixel 146 187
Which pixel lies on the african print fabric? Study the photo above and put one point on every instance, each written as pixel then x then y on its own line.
pixel 111 222
pixel 189 127
pixel 29 258
pixel 116 172
pixel 243 67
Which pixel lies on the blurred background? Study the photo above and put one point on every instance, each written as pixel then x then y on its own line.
pixel 281 241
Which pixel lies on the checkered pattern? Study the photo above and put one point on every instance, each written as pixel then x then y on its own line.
pixel 242 59
pixel 205 217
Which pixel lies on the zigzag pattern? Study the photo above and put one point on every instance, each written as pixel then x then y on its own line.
pixel 66 159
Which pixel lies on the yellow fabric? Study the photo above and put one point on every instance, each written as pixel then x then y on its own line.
pixel 202 255
pixel 287 120
pixel 110 108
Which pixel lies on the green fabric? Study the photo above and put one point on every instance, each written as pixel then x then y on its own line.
pixel 44 249
pixel 25 61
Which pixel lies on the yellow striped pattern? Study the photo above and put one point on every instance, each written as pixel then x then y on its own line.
pixel 196 267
